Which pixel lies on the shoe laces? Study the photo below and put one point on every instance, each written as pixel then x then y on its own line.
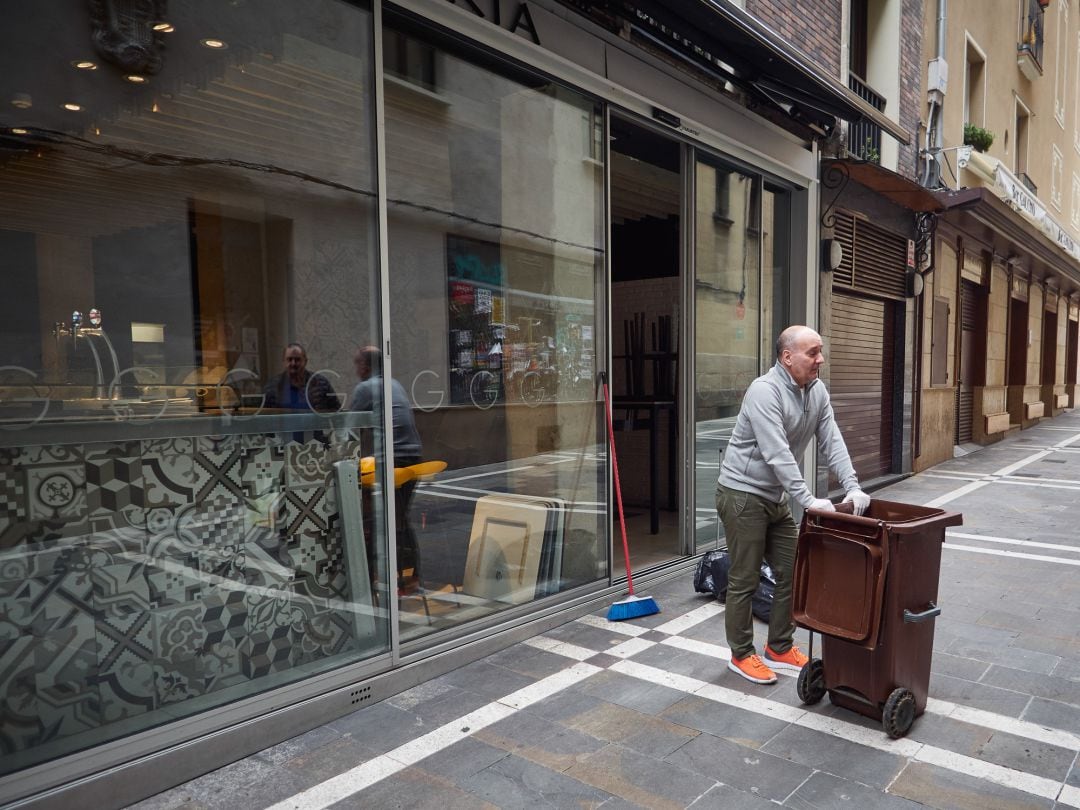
pixel 756 662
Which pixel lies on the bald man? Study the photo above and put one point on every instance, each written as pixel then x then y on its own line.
pixel 781 412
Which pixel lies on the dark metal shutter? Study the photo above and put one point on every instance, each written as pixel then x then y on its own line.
pixel 861 367
pixel 965 392
pixel 875 260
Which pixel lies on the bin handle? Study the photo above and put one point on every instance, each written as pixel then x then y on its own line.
pixel 929 613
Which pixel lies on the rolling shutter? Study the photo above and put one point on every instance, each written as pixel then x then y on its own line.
pixel 861 372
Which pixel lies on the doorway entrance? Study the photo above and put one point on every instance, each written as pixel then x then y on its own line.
pixel 646 283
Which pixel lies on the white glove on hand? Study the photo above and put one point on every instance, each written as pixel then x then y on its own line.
pixel 859 499
pixel 824 504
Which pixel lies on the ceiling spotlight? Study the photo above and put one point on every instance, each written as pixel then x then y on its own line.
pixel 22 101
pixel 84 64
pixel 72 106
pixel 19 131
pixel 164 27
pixel 215 44
pixel 136 79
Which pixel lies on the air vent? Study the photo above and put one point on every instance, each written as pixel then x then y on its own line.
pixel 358 696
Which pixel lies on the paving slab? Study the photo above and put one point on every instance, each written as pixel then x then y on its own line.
pixel 543 742
pixel 1053 714
pixel 823 790
pixel 653 736
pixel 748 729
pixel 1049 687
pixel 978 695
pixel 415 788
pixel 824 752
pixel 948 790
pixel 990 745
pixel 637 778
pixel 514 782
pixel 632 693
pixel 750 770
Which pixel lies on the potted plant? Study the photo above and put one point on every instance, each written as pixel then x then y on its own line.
pixel 977 137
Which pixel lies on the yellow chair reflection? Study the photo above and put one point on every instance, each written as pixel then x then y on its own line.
pixel 422 471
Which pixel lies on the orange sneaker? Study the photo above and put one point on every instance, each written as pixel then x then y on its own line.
pixel 794 659
pixel 753 669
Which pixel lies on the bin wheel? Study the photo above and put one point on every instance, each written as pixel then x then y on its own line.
pixel 811 683
pixel 899 713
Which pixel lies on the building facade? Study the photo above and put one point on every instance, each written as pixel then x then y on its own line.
pixel 999 303
pixel 312 314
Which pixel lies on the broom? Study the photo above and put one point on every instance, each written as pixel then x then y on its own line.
pixel 632 606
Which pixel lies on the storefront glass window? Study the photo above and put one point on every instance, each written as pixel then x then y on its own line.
pixel 189 252
pixel 495 187
pixel 728 312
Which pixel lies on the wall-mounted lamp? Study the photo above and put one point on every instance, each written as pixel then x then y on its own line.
pixel 832 255
pixel 914 283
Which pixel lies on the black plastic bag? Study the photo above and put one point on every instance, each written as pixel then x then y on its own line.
pixel 711 576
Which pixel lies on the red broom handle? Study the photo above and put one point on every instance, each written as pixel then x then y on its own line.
pixel 618 489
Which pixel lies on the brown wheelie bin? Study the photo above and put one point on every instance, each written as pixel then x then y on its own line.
pixel 869 586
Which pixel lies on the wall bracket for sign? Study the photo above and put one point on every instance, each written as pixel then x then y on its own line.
pixel 836 176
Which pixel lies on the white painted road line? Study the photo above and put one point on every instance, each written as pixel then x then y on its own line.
pixel 563 648
pixel 1009 541
pixel 622 628
pixel 957 493
pixel 687 620
pixel 1020 555
pixel 1070 796
pixel 944 708
pixel 346 784
pixel 960 763
pixel 1009 469
pixel 1004 723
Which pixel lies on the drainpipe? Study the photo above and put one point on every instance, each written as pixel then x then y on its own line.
pixel 934 130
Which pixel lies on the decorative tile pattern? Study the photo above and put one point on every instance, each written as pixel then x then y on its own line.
pixel 12 495
pixel 114 480
pixel 307 465
pixel 168 469
pixel 56 492
pixel 126 574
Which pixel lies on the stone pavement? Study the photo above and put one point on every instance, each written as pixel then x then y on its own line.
pixel 645 713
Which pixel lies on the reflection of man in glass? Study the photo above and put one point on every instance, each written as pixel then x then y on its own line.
pixel 298 389
pixel 407 451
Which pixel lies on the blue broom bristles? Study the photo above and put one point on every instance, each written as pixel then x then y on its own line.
pixel 632 607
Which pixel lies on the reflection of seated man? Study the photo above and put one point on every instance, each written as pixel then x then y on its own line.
pixel 297 389
pixel 407 451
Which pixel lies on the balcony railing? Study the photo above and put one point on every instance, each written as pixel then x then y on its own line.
pixel 864 138
pixel 1029 51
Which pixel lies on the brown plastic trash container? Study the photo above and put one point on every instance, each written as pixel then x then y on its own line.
pixel 869 586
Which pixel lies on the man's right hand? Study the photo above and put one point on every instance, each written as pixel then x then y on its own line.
pixel 824 504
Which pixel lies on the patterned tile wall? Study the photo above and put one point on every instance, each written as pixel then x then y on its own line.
pixel 137 575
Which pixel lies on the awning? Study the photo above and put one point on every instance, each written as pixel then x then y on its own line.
pixel 888 184
pixel 719 38
pixel 1024 235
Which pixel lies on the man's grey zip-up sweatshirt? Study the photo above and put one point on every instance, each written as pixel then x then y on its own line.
pixel 776 423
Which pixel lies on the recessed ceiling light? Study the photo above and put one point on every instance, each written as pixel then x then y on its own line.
pixel 19 131
pixel 22 101
pixel 72 106
pixel 136 79
pixel 216 44
pixel 164 27
pixel 84 64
